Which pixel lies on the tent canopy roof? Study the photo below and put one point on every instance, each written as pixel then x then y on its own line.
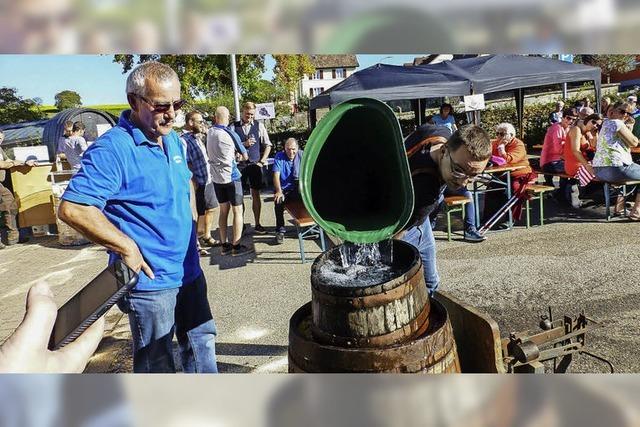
pixel 484 74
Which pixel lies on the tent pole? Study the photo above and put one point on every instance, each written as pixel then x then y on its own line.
pixel 519 95
pixel 598 95
pixel 313 118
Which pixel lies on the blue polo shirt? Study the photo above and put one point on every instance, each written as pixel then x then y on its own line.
pixel 144 191
pixel 289 169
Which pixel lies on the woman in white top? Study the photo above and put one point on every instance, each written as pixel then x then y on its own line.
pixel 613 162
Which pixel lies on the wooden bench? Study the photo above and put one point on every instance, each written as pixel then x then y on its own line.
pixel 454 204
pixel 610 189
pixel 305 225
pixel 536 192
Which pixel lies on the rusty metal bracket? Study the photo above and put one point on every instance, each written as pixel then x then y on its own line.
pixel 558 341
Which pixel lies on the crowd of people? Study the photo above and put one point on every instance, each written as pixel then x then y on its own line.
pixel 143 192
pixel 150 196
pixel 598 144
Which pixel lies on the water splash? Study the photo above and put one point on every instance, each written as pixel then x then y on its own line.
pixel 359 265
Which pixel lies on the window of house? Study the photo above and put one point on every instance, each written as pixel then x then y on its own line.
pixel 316 76
pixel 339 73
pixel 316 91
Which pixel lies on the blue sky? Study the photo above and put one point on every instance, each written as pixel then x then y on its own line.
pixel 95 77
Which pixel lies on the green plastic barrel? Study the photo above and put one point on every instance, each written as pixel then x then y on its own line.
pixel 354 179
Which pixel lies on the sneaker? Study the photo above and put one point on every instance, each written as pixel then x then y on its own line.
pixel 472 235
pixel 203 252
pixel 279 238
pixel 2 245
pixel 241 250
pixel 259 229
pixel 226 249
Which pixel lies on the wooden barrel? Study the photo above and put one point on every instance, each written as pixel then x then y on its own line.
pixel 434 351
pixel 67 236
pixel 376 315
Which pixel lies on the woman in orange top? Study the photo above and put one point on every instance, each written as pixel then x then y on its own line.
pixel 580 140
pixel 510 148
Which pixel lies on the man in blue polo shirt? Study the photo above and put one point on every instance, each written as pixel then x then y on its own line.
pixel 286 171
pixel 133 196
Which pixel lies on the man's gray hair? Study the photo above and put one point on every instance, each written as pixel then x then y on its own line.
pixel 507 128
pixel 152 70
pixel 291 141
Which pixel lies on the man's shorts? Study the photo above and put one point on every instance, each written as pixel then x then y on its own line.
pixel 253 175
pixel 206 198
pixel 229 193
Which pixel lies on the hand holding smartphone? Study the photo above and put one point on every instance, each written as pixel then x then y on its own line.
pixel 91 302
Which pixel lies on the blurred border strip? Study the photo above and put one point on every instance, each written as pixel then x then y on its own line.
pixel 327 26
pixel 321 400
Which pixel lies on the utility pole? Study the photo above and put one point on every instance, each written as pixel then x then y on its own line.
pixel 234 82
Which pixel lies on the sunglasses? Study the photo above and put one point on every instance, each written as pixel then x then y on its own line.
pixel 596 124
pixel 571 119
pixel 163 107
pixel 458 171
pixel 624 112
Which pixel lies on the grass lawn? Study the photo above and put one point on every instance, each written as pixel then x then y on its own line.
pixel 115 109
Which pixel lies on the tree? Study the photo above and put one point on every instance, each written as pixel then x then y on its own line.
pixel 204 75
pixel 303 103
pixel 289 70
pixel 610 63
pixel 265 91
pixel 67 99
pixel 15 109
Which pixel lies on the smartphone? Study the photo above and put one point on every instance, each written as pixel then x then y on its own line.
pixel 91 302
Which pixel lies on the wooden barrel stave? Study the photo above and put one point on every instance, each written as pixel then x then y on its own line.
pixel 377 315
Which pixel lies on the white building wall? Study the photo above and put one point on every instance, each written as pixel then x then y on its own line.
pixel 327 81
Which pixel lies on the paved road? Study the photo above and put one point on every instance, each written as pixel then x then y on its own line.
pixel 570 263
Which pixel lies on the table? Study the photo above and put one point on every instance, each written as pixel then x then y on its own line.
pixel 492 171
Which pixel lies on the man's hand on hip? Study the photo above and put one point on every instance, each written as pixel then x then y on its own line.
pixel 133 258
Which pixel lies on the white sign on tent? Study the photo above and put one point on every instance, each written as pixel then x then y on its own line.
pixel 474 102
pixel 265 111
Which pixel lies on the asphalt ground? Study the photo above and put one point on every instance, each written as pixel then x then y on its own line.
pixel 576 261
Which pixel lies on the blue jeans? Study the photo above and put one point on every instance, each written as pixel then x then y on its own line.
pixel 469 208
pixel 421 236
pixel 618 173
pixel 155 316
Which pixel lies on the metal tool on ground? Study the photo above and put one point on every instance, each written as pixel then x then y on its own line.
pixel 557 341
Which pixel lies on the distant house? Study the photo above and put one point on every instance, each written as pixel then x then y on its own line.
pixel 330 70
pixel 429 59
pixel 627 80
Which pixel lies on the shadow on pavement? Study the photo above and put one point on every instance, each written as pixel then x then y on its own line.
pixel 238 349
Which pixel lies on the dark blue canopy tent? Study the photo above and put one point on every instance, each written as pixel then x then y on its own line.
pixel 480 75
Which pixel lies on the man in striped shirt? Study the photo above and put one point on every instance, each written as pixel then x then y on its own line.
pixel 198 161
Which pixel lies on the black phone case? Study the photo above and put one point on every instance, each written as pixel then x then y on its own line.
pixel 99 312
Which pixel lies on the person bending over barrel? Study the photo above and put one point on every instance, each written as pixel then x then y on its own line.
pixel 438 162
